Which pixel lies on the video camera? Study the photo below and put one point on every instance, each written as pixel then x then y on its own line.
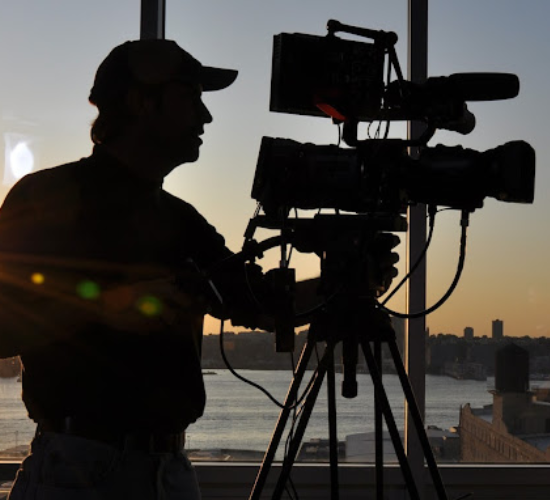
pixel 344 79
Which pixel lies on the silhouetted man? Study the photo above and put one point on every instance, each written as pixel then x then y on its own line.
pixel 109 340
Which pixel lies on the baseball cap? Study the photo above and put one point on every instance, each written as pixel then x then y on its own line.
pixel 153 62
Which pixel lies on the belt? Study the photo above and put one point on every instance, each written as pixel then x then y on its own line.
pixel 149 442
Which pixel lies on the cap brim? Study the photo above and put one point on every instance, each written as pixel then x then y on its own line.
pixel 216 78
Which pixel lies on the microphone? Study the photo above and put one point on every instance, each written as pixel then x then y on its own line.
pixel 474 86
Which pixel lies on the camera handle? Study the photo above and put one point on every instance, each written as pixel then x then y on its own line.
pixel 386 39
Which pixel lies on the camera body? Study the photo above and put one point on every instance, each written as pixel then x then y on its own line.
pixel 379 176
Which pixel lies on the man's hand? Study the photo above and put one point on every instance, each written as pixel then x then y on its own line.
pixel 381 264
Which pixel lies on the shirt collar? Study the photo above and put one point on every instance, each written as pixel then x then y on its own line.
pixel 114 171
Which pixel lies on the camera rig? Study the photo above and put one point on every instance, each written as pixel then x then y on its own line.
pixel 369 184
pixel 374 180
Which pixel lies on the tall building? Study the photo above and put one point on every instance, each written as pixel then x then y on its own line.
pixel 498 329
pixel 516 427
pixel 469 333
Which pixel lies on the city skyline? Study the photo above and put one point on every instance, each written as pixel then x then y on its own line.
pixel 476 334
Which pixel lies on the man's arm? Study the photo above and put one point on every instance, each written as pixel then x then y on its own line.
pixel 263 300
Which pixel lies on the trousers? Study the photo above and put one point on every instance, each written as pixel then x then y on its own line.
pixel 66 467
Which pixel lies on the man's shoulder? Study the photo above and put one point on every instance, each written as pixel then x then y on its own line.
pixel 178 203
pixel 205 235
pixel 181 207
pixel 41 191
pixel 190 217
pixel 56 177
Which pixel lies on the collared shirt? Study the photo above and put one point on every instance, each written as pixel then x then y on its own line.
pixel 78 229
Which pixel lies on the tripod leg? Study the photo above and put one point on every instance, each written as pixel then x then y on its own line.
pixel 390 421
pixel 333 433
pixel 302 424
pixel 281 422
pixel 417 419
pixel 378 430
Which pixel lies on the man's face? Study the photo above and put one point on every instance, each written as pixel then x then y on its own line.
pixel 176 123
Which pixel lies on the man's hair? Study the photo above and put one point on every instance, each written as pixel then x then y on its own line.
pixel 114 116
pixel 110 122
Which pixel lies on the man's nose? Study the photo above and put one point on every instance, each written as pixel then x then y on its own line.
pixel 206 116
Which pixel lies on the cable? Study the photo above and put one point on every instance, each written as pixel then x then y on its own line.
pixel 291 244
pixel 240 377
pixel 432 213
pixel 258 386
pixel 297 407
pixel 251 290
pixel 296 415
pixel 464 224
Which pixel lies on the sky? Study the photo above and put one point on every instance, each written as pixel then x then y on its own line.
pixel 50 51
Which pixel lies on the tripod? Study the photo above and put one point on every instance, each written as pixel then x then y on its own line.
pixel 379 333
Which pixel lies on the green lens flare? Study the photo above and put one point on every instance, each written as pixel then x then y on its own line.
pixel 88 290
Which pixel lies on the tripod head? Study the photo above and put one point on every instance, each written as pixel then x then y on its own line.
pixel 356 267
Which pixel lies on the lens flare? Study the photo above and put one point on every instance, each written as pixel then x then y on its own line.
pixel 149 305
pixel 38 278
pixel 22 160
pixel 88 290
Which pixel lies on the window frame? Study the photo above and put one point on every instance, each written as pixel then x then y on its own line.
pixel 229 480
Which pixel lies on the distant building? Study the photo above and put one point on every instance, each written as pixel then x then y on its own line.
pixel 498 329
pixel 516 427
pixel 469 333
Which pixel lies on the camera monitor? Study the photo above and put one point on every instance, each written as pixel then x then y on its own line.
pixel 326 76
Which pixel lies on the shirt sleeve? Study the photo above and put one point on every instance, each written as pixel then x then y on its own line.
pixel 235 290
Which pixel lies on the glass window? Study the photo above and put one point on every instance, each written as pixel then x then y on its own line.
pixel 50 53
pixel 475 381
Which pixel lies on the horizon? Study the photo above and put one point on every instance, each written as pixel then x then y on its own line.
pixel 236 331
